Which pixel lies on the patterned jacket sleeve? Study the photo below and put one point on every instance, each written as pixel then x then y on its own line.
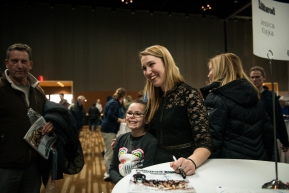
pixel 198 118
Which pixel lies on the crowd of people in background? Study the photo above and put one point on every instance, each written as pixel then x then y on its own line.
pixel 231 117
pixel 284 104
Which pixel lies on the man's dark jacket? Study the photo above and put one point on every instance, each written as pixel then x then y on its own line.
pixel 78 112
pixel 70 158
pixel 15 152
pixel 281 130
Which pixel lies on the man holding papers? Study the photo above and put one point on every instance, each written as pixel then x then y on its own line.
pixel 19 91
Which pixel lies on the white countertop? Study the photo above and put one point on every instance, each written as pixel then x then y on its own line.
pixel 237 174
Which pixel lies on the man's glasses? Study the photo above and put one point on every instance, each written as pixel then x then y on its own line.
pixel 136 114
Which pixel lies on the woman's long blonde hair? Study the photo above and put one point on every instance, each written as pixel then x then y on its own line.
pixel 228 67
pixel 172 77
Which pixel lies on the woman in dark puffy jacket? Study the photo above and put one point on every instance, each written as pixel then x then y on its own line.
pixel 239 125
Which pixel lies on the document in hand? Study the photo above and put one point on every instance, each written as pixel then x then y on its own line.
pixel 148 181
pixel 41 143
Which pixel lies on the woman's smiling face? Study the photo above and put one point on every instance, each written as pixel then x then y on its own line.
pixel 154 70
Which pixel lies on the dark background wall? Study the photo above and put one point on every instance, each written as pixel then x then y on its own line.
pixel 98 50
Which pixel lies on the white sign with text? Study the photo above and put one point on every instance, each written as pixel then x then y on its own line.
pixel 271 29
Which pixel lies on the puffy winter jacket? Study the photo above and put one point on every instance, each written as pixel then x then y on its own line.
pixel 239 124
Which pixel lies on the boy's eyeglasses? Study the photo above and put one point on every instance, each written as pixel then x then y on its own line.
pixel 136 114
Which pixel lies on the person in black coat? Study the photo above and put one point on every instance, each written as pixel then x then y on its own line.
pixel 258 76
pixel 94 115
pixel 239 125
pixel 78 111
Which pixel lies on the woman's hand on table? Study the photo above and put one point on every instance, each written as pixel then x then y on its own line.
pixel 185 164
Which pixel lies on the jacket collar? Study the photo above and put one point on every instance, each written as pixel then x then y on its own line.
pixel 31 79
pixel 207 89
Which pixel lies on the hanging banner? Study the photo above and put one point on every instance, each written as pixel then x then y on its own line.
pixel 270 29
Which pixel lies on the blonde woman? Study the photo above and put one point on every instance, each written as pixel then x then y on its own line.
pixel 239 125
pixel 176 112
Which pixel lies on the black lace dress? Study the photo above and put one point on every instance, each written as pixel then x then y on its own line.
pixel 180 124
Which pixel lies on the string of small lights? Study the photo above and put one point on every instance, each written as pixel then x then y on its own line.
pixel 127 1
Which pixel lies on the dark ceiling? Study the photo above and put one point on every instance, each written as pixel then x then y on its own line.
pixel 223 9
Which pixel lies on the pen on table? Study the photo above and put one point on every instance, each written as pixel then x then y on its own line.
pixel 180 169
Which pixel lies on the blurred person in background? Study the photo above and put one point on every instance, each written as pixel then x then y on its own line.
pixel 258 77
pixel 98 105
pixel 140 95
pixel 128 101
pixel 110 125
pixel 63 101
pixel 78 111
pixel 284 105
pixel 94 115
